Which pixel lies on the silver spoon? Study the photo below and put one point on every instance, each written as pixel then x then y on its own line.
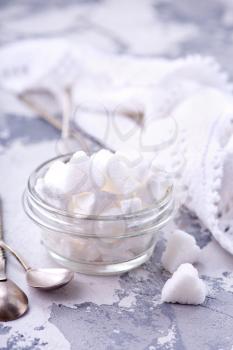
pixel 13 301
pixel 44 278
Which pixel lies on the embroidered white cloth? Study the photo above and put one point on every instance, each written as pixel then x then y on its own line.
pixel 191 93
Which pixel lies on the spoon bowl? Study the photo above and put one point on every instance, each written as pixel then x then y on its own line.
pixel 43 278
pixel 13 301
pixel 47 279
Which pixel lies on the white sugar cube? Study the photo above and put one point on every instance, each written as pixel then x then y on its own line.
pixel 58 201
pixel 81 162
pixel 113 228
pixel 120 176
pixel 40 188
pixel 157 186
pixel 111 211
pixel 54 177
pixel 79 157
pixel 181 248
pixel 83 203
pixel 98 166
pixel 131 205
pixel 91 251
pixel 109 230
pixel 104 202
pixel 67 178
pixel 115 254
pixel 153 189
pixel 184 287
pixel 138 244
pixel 83 249
pixel 92 203
pixel 77 177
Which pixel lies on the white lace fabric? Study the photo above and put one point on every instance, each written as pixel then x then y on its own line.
pixel 207 176
pixel 193 91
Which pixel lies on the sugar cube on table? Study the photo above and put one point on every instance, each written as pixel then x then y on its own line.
pixel 181 248
pixel 184 287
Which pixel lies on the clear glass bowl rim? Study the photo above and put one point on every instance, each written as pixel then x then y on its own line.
pixel 30 191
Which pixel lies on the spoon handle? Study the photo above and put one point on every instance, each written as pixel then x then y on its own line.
pixel 2 253
pixel 16 255
pixel 66 112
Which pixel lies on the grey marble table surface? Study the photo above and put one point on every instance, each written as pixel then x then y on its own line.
pixel 122 312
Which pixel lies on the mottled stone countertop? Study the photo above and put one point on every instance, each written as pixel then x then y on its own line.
pixel 115 312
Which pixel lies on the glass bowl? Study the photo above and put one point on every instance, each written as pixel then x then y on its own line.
pixel 94 244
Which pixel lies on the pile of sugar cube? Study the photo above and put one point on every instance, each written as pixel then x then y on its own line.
pixel 104 183
pixel 185 286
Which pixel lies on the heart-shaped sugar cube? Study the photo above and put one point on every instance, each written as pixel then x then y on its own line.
pixel 181 248
pixel 184 287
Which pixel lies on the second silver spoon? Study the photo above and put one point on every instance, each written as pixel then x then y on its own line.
pixel 43 278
